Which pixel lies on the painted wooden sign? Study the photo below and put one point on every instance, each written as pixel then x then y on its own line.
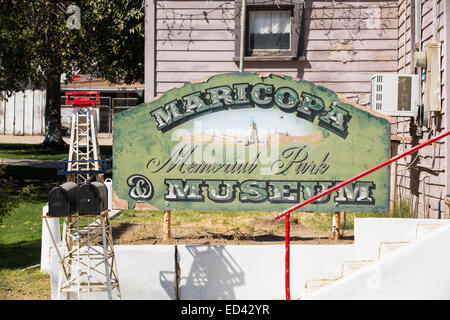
pixel 245 141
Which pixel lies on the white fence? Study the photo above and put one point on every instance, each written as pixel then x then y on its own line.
pixel 23 113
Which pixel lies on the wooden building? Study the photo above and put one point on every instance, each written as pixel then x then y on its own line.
pixel 336 44
pixel 423 179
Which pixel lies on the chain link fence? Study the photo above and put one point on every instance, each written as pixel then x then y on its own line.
pixel 104 115
pixel 104 112
pixel 122 104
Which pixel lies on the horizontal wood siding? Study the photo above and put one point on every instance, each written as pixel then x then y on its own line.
pixel 196 39
pixel 422 177
pixel 342 47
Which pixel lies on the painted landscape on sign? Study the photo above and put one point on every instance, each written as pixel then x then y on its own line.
pixel 246 141
pixel 254 128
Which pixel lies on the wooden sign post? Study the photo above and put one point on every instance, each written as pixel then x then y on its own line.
pixel 336 225
pixel 167 225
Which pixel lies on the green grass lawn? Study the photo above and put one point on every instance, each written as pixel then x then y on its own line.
pixel 38 152
pixel 20 234
pixel 20 239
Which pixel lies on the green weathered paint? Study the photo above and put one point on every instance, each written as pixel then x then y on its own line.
pixel 316 141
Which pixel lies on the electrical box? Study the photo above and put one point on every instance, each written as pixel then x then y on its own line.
pixel 395 94
pixel 62 200
pixel 92 198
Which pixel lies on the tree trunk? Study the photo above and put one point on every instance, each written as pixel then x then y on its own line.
pixel 53 130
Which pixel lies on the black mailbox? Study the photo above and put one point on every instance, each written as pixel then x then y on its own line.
pixel 62 200
pixel 92 198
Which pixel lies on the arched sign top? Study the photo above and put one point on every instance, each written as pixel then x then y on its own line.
pixel 247 141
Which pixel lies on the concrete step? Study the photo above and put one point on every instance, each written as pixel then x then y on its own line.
pixel 370 232
pixel 314 285
pixel 350 267
pixel 394 235
pixel 387 249
pixel 425 229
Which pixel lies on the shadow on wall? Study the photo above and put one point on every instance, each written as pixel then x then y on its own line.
pixel 167 284
pixel 212 274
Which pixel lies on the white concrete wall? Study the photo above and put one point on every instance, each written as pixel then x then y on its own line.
pixel 50 234
pixel 419 271
pixel 145 273
pixel 217 272
pixel 370 232
pixel 257 271
pixel 231 272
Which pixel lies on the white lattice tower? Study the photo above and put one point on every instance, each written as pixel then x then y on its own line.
pixel 88 260
pixel 84 152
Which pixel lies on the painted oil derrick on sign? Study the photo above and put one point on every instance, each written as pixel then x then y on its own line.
pixel 246 141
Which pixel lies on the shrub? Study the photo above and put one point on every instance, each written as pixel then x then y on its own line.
pixel 402 209
pixel 28 193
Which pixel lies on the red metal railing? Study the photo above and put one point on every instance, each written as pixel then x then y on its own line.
pixel 287 212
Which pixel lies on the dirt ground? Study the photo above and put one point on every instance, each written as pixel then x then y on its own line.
pixel 263 230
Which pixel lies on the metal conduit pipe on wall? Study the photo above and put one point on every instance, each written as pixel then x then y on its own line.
pixel 242 43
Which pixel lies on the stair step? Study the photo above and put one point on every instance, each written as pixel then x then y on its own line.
pixel 387 249
pixel 314 285
pixel 351 267
pixel 426 228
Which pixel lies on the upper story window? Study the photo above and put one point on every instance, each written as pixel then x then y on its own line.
pixel 269 30
pixel 273 29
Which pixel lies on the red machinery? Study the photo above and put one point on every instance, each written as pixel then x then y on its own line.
pixel 82 99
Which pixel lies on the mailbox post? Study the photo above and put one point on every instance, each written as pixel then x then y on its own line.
pixel 86 226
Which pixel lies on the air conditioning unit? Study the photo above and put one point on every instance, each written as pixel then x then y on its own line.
pixel 395 94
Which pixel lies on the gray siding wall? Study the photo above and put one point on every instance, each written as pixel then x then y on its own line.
pixel 422 177
pixel 343 45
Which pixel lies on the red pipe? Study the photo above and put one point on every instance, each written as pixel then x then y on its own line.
pixel 287 212
pixel 287 256
pixel 359 176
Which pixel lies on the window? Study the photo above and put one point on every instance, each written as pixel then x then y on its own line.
pixel 273 31
pixel 269 30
